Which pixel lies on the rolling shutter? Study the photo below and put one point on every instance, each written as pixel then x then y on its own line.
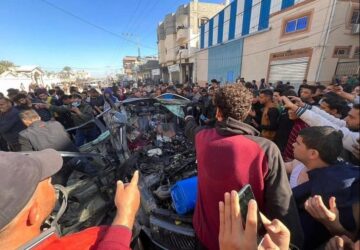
pixel 289 70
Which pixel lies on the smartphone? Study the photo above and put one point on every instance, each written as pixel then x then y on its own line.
pixel 245 195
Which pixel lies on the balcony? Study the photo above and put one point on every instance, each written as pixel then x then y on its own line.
pixel 185 53
pixel 182 34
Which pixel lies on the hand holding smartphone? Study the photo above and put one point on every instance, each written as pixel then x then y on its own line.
pixel 250 231
pixel 245 195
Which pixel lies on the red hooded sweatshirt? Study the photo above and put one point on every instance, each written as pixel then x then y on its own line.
pixel 229 157
pixel 100 238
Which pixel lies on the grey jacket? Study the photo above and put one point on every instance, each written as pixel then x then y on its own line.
pixel 41 135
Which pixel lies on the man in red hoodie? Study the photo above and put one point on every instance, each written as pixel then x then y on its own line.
pixel 232 155
pixel 27 198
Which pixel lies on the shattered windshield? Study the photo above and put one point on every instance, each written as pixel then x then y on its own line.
pixel 173 103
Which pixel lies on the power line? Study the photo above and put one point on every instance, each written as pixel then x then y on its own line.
pixel 145 12
pixel 278 46
pixel 197 36
pixel 93 24
pixel 147 34
pixel 240 13
pixel 274 27
pixel 267 49
pixel 133 15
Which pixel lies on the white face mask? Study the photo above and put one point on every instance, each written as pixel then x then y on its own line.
pixel 76 104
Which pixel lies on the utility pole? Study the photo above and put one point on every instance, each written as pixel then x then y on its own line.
pixel 137 40
pixel 324 45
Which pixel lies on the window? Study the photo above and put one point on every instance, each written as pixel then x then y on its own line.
pixel 355 17
pixel 203 20
pixel 342 52
pixel 356 53
pixel 296 25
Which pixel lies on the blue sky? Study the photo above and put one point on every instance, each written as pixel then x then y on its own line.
pixel 34 33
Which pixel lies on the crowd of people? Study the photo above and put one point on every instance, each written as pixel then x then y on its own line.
pixel 297 148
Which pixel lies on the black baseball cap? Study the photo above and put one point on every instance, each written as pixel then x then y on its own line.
pixel 20 175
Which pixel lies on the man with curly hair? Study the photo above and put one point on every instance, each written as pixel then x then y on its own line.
pixel 232 155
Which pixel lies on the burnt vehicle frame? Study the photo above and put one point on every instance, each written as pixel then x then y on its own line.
pixel 144 134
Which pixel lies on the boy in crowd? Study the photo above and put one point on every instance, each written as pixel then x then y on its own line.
pixel 232 155
pixel 318 149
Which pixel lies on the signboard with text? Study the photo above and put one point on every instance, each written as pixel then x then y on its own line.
pixel 155 72
pixel 174 68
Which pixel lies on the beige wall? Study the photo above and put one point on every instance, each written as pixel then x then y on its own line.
pixel 199 10
pixel 168 48
pixel 170 44
pixel 257 48
pixel 340 35
pixel 201 59
pixel 161 51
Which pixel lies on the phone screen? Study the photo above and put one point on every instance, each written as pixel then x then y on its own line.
pixel 245 195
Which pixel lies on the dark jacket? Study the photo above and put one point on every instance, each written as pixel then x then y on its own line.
pixel 230 156
pixel 340 180
pixel 41 135
pixel 284 130
pixel 85 116
pixel 97 101
pixel 208 110
pixel 43 113
pixel 10 126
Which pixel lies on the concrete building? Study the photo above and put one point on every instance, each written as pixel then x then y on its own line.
pixel 288 40
pixel 178 40
pixel 149 69
pixel 130 65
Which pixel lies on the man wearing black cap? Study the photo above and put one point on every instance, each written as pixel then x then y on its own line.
pixel 27 198
pixel 11 93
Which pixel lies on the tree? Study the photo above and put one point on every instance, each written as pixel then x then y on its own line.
pixel 67 69
pixel 5 65
pixel 66 72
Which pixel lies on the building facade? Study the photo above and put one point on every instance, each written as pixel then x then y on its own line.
pixel 149 70
pixel 287 40
pixel 130 65
pixel 178 40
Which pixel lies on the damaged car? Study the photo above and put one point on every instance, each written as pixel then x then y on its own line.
pixel 145 134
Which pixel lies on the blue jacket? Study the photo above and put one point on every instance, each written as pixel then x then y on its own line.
pixel 340 180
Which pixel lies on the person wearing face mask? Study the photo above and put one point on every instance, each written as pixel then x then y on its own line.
pixel 81 113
